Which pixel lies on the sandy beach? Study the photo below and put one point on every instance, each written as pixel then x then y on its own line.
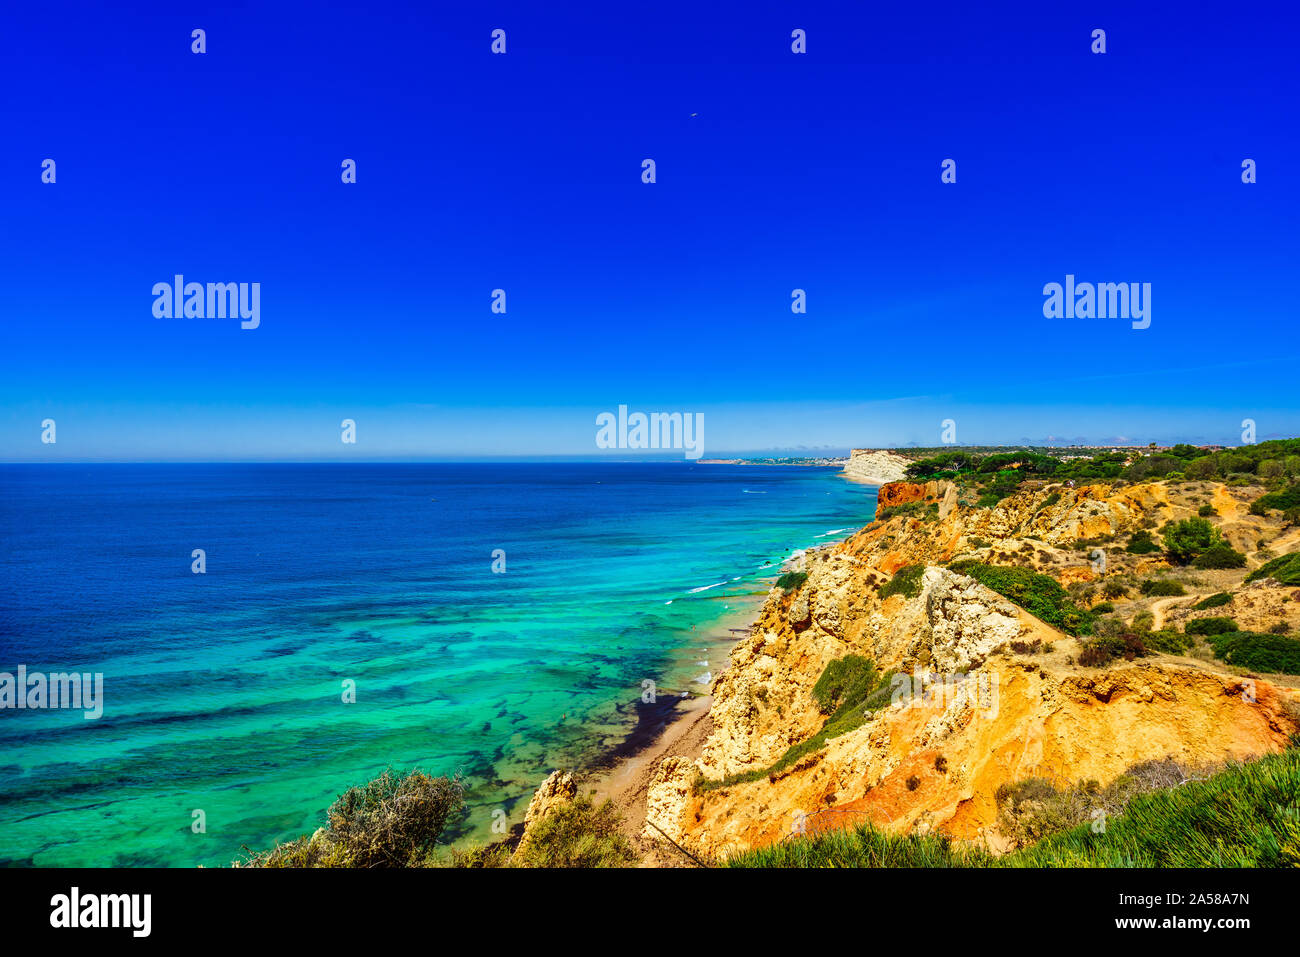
pixel 678 726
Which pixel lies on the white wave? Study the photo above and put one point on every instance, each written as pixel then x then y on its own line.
pixel 704 587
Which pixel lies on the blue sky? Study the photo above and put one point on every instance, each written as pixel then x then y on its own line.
pixel 523 172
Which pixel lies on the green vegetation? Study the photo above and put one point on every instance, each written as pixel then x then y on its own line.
pixel 577 834
pixel 1141 543
pixel 850 687
pixel 1284 569
pixel 1040 595
pixel 1256 652
pixel 393 821
pixel 1186 539
pixel 906 582
pixel 1206 511
pixel 1214 601
pixel 1221 555
pixel 1283 499
pixel 1246 815
pixel 791 580
pixel 1210 626
pixel 851 678
pixel 1161 587
pixel 1168 640
pixel 1106 648
pixel 925 511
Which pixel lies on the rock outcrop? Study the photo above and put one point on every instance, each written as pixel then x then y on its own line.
pixel 875 467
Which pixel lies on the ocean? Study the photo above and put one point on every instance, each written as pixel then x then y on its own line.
pixel 223 692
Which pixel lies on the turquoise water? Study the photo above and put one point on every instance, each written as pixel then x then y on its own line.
pixel 223 691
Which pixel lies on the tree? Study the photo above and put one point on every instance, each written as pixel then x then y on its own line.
pixel 1186 539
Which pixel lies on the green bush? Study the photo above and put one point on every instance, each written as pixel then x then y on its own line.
pixel 1285 499
pixel 1205 511
pixel 393 821
pixel 1106 648
pixel 791 580
pixel 1141 543
pixel 1246 649
pixel 906 582
pixel 850 678
pixel 1285 569
pixel 577 834
pixel 1222 555
pixel 1040 595
pixel 1210 626
pixel 1161 587
pixel 1167 640
pixel 1214 601
pixel 1186 539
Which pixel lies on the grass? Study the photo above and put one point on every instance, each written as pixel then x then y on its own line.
pixel 1247 815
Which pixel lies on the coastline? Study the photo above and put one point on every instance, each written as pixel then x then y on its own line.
pixel 677 727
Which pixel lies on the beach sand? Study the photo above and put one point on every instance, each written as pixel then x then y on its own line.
pixel 672 726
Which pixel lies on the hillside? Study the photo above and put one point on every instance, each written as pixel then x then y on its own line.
pixel 1013 640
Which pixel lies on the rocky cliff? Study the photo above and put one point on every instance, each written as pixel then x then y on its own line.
pixel 984 694
pixel 875 467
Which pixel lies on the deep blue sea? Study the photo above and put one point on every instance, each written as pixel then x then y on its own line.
pixel 223 691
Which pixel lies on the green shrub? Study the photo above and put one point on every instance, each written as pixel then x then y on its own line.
pixel 1220 556
pixel 1102 608
pixel 906 582
pixel 850 678
pixel 1160 587
pixel 1246 649
pixel 1106 648
pixel 1051 500
pixel 1186 539
pixel 1285 499
pixel 577 834
pixel 1210 626
pixel 1114 588
pixel 791 580
pixel 1285 569
pixel 1167 640
pixel 1205 511
pixel 1040 595
pixel 1141 543
pixel 392 821
pixel 1214 601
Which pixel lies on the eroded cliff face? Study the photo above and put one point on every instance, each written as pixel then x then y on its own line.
pixel 935 756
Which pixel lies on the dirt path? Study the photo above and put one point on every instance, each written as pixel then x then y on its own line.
pixel 1160 604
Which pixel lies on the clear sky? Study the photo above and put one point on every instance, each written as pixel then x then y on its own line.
pixel 522 171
